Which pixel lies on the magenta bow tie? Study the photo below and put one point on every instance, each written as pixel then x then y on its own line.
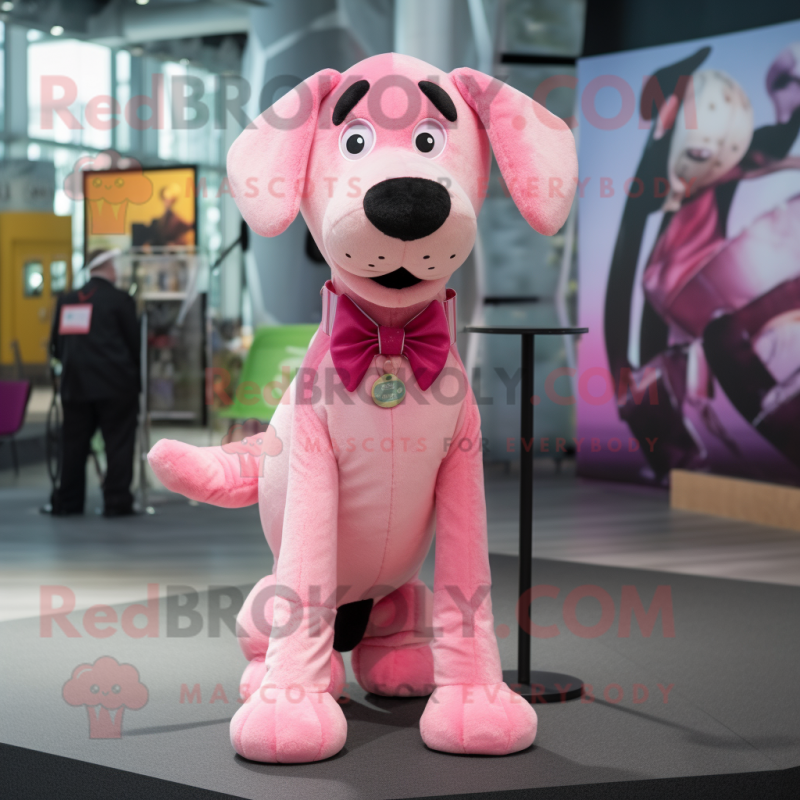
pixel 355 340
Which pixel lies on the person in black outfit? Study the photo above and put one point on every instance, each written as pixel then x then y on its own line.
pixel 99 350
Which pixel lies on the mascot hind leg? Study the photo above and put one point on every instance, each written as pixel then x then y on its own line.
pixel 394 658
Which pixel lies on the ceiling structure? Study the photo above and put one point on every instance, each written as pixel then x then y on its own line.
pixel 207 33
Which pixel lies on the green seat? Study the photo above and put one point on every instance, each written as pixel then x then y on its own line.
pixel 276 352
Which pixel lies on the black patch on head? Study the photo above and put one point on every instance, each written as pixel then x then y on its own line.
pixel 348 101
pixel 440 99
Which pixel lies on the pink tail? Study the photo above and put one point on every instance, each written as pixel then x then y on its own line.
pixel 206 474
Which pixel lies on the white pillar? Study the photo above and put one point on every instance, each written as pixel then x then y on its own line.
pixel 15 58
pixel 426 29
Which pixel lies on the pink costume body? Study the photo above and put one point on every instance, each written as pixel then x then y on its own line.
pixel 389 164
pixel 387 460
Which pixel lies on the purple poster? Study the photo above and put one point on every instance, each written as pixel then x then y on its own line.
pixel 689 259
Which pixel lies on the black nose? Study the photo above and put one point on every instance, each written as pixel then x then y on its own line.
pixel 407 208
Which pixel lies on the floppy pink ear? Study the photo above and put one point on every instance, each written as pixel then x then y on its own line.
pixel 534 149
pixel 267 162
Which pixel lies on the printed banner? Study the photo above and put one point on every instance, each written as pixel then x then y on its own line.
pixel 690 259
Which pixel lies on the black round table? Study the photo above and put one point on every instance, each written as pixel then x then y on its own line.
pixel 537 686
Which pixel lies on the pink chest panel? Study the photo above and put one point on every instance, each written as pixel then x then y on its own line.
pixel 388 462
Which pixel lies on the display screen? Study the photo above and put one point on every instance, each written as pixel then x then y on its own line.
pixel 140 208
pixel 689 259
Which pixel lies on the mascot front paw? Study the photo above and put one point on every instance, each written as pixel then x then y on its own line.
pixel 288 726
pixel 482 720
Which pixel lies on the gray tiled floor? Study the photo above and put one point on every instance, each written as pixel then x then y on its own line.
pixel 726 633
pixel 616 524
pixel 111 561
pixel 717 697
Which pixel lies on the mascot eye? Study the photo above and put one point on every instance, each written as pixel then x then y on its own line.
pixel 119 182
pixel 116 688
pixel 425 142
pixel 355 143
pixel 429 138
pixel 97 182
pixel 357 140
pixel 94 688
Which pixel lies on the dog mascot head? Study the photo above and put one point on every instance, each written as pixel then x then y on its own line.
pixel 389 164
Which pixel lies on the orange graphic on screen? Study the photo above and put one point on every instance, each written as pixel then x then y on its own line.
pixel 108 197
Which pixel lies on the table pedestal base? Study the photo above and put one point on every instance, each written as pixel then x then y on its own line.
pixel 545 687
pixel 542 687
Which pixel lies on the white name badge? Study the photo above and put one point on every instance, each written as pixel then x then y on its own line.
pixel 75 318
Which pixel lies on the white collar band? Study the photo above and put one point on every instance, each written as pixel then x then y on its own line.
pixel 330 298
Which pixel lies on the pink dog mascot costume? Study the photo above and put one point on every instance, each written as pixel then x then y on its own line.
pixel 388 163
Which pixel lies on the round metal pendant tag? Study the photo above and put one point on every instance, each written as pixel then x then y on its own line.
pixel 388 391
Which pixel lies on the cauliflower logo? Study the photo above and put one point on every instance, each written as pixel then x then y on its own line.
pixel 252 449
pixel 106 688
pixel 109 194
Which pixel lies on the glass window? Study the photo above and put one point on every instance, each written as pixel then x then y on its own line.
pixel 123 66
pixel 83 80
pixel 79 275
pixel 2 73
pixel 544 26
pixel 123 95
pixel 186 137
pixel 58 276
pixel 33 279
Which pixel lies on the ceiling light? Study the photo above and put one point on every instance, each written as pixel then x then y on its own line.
pixel 185 62
pixel 56 30
pixel 7 6
pixel 142 2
